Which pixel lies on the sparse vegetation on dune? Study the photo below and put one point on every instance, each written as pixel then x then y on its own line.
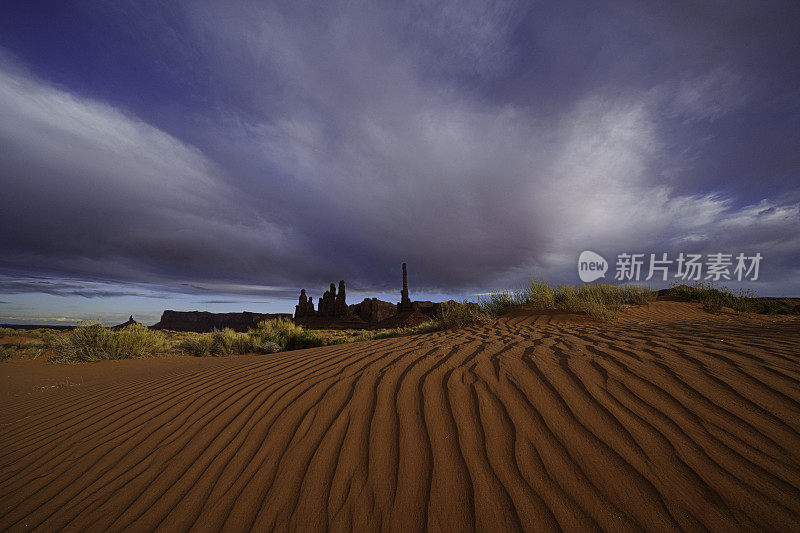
pixel 600 301
pixel 26 343
pixel 269 336
pixel 713 299
pixel 44 334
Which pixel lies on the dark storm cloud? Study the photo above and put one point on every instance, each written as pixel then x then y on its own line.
pixel 85 289
pixel 484 143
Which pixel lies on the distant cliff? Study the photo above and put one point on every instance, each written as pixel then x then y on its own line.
pixel 202 321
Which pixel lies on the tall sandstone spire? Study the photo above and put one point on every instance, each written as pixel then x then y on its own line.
pixel 405 301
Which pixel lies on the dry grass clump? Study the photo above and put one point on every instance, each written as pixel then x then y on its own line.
pixel 92 342
pixel 597 303
pixel 600 301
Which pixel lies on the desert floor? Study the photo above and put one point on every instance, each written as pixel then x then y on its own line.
pixel 666 418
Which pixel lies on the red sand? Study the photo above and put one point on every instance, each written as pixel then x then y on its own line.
pixel 667 418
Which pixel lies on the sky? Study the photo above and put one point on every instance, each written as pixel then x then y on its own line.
pixel 222 155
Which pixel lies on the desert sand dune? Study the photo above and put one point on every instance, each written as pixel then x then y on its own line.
pixel 666 419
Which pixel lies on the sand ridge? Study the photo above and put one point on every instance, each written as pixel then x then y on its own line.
pixel 665 419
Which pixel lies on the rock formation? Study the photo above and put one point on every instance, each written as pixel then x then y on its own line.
pixel 125 324
pixel 302 304
pixel 405 301
pixel 373 311
pixel 327 302
pixel 305 306
pixel 334 313
pixel 340 305
pixel 203 321
pixel 331 305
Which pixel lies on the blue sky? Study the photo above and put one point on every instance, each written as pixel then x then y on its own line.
pixel 220 156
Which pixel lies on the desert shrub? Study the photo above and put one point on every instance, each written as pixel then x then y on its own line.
pixel 135 340
pixel 49 338
pixel 496 303
pixel 92 342
pixel 565 297
pixel 269 336
pixel 348 336
pixel 196 344
pixel 33 348
pixel 87 342
pixel 229 342
pixel 305 339
pixel 458 315
pixel 600 301
pixel 6 352
pixel 713 299
pixel 592 304
pixel 637 294
pixel 36 333
pixel 538 295
pixel 286 334
pixel 267 347
pixel 430 326
pixel 712 304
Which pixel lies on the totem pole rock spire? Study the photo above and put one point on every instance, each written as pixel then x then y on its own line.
pixel 405 301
